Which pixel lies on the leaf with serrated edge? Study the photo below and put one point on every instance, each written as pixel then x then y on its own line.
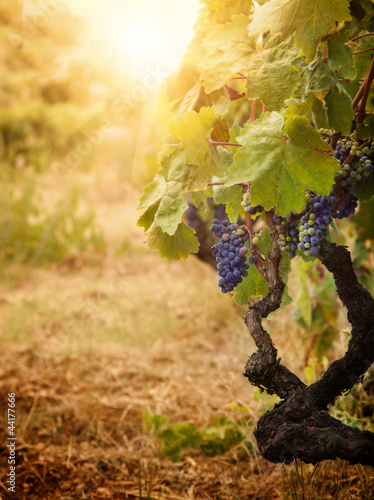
pixel 175 168
pixel 270 75
pixel 340 56
pixel 254 285
pixel 153 192
pixel 173 247
pixel 232 49
pixel 192 130
pixel 363 60
pixel 311 19
pixel 146 219
pixel 281 168
pixel 339 110
pixel 173 205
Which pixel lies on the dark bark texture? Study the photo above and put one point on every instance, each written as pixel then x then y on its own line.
pixel 299 426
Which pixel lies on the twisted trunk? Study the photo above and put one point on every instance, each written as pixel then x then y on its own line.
pixel 299 426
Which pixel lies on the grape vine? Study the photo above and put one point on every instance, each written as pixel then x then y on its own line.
pixel 272 116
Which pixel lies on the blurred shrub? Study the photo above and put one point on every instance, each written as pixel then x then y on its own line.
pixel 216 439
pixel 29 231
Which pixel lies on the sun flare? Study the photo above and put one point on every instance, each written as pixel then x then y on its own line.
pixel 144 32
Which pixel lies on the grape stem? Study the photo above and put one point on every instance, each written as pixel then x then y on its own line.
pixel 253 110
pixel 219 143
pixel 364 50
pixel 361 36
pixel 365 94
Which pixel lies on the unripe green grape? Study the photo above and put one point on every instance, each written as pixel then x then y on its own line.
pixel 255 240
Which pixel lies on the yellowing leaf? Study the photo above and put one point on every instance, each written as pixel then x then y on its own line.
pixel 270 74
pixel 153 192
pixel 310 19
pixel 231 51
pixel 174 247
pixel 193 130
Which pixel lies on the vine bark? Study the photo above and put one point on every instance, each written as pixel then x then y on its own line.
pixel 299 426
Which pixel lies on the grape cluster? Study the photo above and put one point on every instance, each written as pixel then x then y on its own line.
pixel 248 207
pixel 350 205
pixel 288 234
pixel 359 169
pixel 314 224
pixel 230 254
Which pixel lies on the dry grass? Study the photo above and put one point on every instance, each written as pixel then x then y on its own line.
pixel 89 345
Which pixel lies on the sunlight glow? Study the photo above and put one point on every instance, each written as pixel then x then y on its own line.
pixel 146 33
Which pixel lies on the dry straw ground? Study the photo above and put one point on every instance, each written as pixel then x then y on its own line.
pixel 90 344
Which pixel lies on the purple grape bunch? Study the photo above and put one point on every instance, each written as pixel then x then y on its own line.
pixel 287 234
pixel 360 168
pixel 314 225
pixel 230 253
pixel 248 207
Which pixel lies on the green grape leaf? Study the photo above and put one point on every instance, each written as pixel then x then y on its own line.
pixel 339 110
pixel 147 218
pixel 364 221
pixel 317 76
pixel 175 168
pixel 311 107
pixel 254 285
pixel 340 56
pixel 363 61
pixel 270 74
pixel 175 178
pixel 153 192
pixel 311 19
pixel 226 156
pixel 364 191
pixel 282 164
pixel 230 53
pixel 174 247
pixel 193 130
pixel 172 206
pixel 231 196
pixel 266 243
pixel 366 129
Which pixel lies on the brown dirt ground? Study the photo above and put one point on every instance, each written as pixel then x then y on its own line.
pixel 100 339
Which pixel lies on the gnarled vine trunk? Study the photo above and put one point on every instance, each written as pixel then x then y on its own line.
pixel 299 426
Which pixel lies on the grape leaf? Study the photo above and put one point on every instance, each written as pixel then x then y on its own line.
pixel 232 49
pixel 147 218
pixel 174 179
pixel 174 247
pixel 339 110
pixel 362 61
pixel 173 204
pixel 340 56
pixel 153 192
pixel 193 130
pixel 175 168
pixel 311 107
pixel 366 129
pixel 311 19
pixel 254 285
pixel 232 197
pixel 281 165
pixel 364 191
pixel 317 76
pixel 270 74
